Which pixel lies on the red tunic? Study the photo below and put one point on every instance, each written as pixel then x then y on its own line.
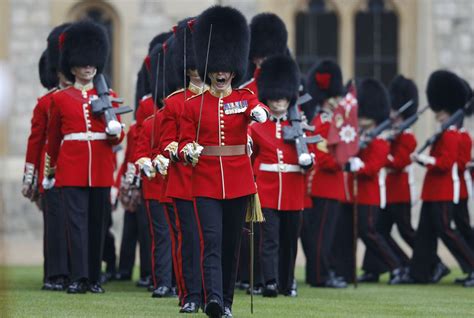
pixel 129 154
pixel 219 177
pixel 398 165
pixel 374 158
pixel 179 174
pixel 145 109
pixel 36 147
pixel 277 190
pixel 151 188
pixel 439 183
pixel 252 83
pixel 465 146
pixel 328 178
pixel 80 163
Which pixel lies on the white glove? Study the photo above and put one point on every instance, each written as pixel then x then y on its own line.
pixel 114 128
pixel 146 167
pixel 249 146
pixel 173 151
pixel 48 183
pixel 192 151
pixel 259 114
pixel 161 163
pixel 113 195
pixel 355 164
pixel 305 160
pixel 423 159
pixel 130 174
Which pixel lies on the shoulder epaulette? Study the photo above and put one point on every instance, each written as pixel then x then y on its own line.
pixel 175 92
pixel 246 89
pixel 52 90
pixel 146 96
pixel 248 82
pixel 194 96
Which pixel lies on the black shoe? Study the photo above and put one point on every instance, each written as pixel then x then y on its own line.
pixel 291 293
pixel 396 276
pixel 77 287
pixel 270 290
pixel 96 288
pixel 144 282
pixel 244 286
pixel 123 276
pixel 227 312
pixel 257 290
pixel 174 292
pixel 335 283
pixel 368 277
pixel 439 272
pixel 47 285
pixel 461 280
pixel 469 282
pixel 406 278
pixel 213 309
pixel 189 308
pixel 60 283
pixel 162 292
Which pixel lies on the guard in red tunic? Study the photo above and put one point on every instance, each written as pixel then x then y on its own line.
pixel 280 179
pixel 324 83
pixel 55 249
pixel 178 186
pixel 399 182
pixel 81 159
pixel 446 94
pixel 363 177
pixel 268 36
pixel 214 140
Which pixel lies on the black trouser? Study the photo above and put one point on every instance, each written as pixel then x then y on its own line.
pixel 244 258
pixel 220 225
pixel 435 222
pixel 463 223
pixel 373 240
pixel 395 213
pixel 279 247
pixel 86 209
pixel 109 256
pixel 55 234
pixel 320 227
pixel 129 243
pixel 306 237
pixel 188 255
pixel 160 244
pixel 174 229
pixel 144 240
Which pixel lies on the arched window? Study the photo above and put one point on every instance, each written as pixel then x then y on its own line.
pixel 376 41
pixel 104 14
pixel 316 34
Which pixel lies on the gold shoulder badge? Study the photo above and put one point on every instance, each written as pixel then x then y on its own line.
pixel 246 89
pixel 146 96
pixel 175 92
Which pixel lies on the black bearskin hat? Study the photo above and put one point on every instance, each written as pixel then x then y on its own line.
pixel 446 91
pixel 83 43
pixel 373 100
pixel 183 31
pixel 53 47
pixel 401 91
pixel 268 36
pixel 159 39
pixel 279 78
pixel 469 109
pixel 142 86
pixel 324 80
pixel 229 47
pixel 47 78
pixel 161 83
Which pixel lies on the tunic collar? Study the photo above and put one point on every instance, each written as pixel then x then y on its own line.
pixel 83 88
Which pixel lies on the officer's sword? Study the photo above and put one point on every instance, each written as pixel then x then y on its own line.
pixel 203 84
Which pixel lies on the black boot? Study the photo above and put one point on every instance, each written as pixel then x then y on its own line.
pixel 439 272
pixel 77 287
pixel 469 282
pixel 368 277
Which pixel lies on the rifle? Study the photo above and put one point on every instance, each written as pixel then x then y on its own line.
pixel 103 105
pixel 453 120
pixel 386 124
pixel 407 123
pixel 296 132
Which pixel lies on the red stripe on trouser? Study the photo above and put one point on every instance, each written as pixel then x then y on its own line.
pixel 173 249
pixel 451 234
pixel 374 238
pixel 153 247
pixel 201 245
pixel 318 248
pixel 179 255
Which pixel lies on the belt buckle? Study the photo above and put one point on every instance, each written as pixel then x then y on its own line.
pixel 282 167
pixel 89 135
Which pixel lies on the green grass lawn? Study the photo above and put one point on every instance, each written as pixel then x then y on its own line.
pixel 20 297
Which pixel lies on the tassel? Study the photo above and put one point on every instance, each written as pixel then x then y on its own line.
pixel 254 210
